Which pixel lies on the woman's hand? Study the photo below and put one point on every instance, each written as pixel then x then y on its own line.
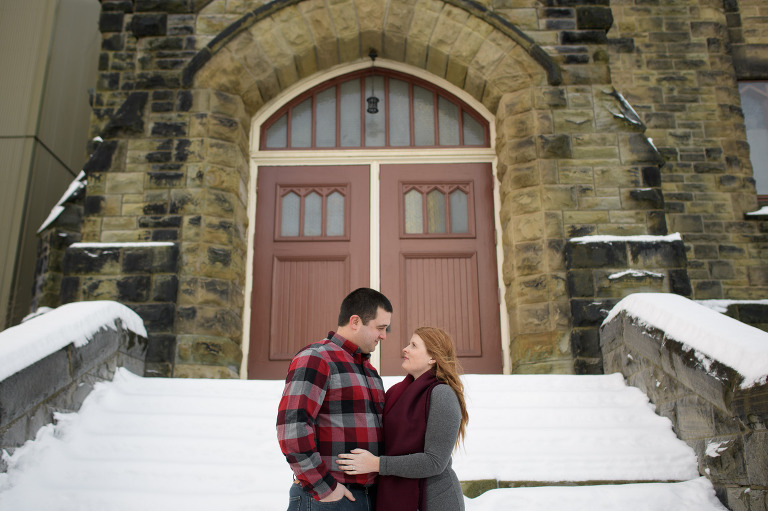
pixel 358 461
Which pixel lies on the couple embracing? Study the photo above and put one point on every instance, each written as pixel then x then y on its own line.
pixel 350 446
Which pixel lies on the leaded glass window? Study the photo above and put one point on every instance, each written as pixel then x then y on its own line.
pixel 312 212
pixel 437 209
pixel 410 113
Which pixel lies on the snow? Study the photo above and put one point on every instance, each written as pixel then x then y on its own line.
pixel 722 305
pixel 39 312
pixel 694 495
pixel 31 341
pixel 715 448
pixel 74 187
pixel 638 238
pixel 713 336
pixel 635 273
pixel 154 443
pixel 760 212
pixel 570 428
pixel 122 244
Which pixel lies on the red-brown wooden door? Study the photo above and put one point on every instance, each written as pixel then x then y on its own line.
pixel 311 249
pixel 438 265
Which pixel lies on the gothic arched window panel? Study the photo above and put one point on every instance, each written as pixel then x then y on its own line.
pixel 437 210
pixel 312 213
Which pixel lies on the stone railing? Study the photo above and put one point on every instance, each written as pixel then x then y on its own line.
pixel 58 378
pixel 713 408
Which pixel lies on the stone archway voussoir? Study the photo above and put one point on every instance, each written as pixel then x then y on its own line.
pixel 295 31
pixel 224 73
pixel 304 38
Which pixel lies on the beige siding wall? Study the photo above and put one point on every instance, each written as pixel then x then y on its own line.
pixel 72 67
pixel 49 57
pixel 14 154
pixel 25 36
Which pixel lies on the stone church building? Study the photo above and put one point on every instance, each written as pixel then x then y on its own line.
pixel 506 169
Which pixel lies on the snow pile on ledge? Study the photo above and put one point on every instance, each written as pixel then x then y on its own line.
pixel 712 335
pixel 722 305
pixel 639 238
pixel 122 244
pixel 73 323
pixel 760 212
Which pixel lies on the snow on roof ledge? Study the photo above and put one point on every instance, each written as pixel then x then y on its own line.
pixel 74 186
pixel 710 334
pixel 73 323
pixel 644 238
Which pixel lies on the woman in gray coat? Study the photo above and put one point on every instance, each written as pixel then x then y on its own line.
pixel 425 418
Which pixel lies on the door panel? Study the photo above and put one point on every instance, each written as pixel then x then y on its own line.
pixel 438 260
pixel 434 287
pixel 311 249
pixel 300 288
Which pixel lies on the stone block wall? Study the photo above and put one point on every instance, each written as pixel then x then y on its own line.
pixel 601 273
pixel 52 245
pixel 616 118
pixel 754 314
pixel 677 63
pixel 723 423
pixel 172 167
pixel 143 277
pixel 61 381
pixel 748 34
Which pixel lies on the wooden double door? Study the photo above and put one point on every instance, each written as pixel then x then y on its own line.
pixel 437 258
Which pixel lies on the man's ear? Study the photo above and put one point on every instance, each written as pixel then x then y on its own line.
pixel 355 322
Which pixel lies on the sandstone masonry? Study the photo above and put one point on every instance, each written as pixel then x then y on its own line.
pixel 612 118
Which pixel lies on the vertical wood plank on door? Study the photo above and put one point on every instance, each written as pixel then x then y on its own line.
pixel 442 291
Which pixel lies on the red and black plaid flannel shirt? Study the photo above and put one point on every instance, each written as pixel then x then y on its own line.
pixel 332 403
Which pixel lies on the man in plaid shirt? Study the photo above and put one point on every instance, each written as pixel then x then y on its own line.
pixel 332 403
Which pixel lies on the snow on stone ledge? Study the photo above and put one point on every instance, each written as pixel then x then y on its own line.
pixel 122 244
pixel 722 305
pixel 638 238
pixel 73 323
pixel 710 334
pixel 759 213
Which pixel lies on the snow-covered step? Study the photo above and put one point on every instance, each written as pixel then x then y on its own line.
pixel 545 428
pixel 694 495
pixel 141 443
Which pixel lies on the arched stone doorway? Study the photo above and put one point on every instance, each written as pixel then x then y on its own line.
pixel 400 199
pixel 268 55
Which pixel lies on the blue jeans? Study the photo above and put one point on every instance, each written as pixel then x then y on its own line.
pixel 299 500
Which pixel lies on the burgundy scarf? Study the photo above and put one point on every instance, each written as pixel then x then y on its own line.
pixel 405 423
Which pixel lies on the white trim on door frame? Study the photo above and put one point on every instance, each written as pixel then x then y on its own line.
pixel 374 158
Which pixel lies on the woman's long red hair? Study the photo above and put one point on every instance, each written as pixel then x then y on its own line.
pixel 440 347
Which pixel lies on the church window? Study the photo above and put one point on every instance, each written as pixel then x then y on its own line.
pixel 754 103
pixel 409 113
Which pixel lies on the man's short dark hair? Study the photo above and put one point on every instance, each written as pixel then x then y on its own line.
pixel 363 302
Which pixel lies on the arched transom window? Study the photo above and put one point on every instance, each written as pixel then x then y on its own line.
pixel 409 113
